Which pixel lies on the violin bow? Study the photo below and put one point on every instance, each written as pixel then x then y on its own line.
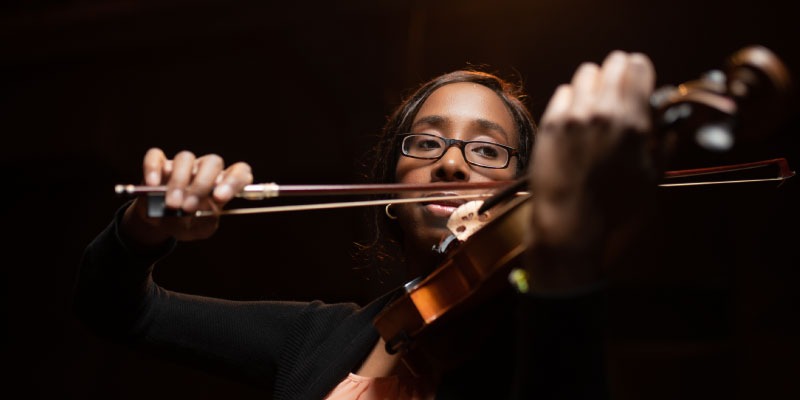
pixel 156 207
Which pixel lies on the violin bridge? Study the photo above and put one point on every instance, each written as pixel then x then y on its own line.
pixel 466 219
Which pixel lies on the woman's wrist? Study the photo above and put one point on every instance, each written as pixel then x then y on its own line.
pixel 137 233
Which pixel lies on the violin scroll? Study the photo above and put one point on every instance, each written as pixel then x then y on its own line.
pixel 741 103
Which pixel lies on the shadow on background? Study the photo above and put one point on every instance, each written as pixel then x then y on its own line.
pixel 298 91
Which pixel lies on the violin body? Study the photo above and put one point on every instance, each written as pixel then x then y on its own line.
pixel 472 274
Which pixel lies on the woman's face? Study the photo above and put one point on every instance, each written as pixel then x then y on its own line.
pixel 464 111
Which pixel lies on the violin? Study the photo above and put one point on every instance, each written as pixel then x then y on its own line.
pixel 432 324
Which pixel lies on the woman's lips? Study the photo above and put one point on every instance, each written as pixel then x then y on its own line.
pixel 442 208
pixel 439 210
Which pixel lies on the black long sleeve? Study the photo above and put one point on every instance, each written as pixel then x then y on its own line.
pixel 561 347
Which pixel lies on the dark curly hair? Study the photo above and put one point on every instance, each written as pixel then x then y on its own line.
pixel 384 249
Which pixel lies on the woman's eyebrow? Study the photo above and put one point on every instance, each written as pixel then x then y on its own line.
pixel 440 121
pixel 487 125
pixel 433 120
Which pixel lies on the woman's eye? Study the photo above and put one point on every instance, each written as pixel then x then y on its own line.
pixel 486 151
pixel 428 144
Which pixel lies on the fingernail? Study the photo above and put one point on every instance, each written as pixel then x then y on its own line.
pixel 175 198
pixel 191 203
pixel 223 190
pixel 153 178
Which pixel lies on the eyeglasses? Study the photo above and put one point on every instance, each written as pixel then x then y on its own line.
pixel 475 152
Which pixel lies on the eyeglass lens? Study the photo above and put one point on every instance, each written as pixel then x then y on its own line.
pixel 480 153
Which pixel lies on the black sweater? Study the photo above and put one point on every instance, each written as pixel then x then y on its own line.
pixel 303 350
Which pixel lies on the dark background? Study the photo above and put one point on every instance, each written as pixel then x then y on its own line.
pixel 297 89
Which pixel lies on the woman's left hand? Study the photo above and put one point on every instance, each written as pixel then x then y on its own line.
pixel 592 171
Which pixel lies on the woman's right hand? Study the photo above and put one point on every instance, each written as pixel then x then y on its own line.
pixel 193 183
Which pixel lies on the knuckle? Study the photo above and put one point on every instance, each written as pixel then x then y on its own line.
pixel 184 154
pixel 242 168
pixel 154 152
pixel 214 159
pixel 151 164
pixel 601 116
pixel 587 66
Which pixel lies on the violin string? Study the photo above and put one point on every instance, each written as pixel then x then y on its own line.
pixel 367 203
pixel 322 206
pixel 780 178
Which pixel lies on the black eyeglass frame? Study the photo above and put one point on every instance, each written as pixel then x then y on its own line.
pixel 512 152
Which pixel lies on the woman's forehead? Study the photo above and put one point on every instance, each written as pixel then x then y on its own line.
pixel 467 103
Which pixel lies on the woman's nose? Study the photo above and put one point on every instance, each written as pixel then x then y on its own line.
pixel 452 166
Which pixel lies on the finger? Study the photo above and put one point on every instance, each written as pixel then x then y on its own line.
pixel 643 69
pixel 205 171
pixel 232 181
pixel 167 169
pixel 182 166
pixel 638 86
pixel 611 79
pixel 558 105
pixel 153 166
pixel 584 87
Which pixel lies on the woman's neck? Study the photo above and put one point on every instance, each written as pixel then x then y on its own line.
pixel 421 263
pixel 379 363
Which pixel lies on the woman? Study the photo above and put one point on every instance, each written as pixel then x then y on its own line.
pixel 461 127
